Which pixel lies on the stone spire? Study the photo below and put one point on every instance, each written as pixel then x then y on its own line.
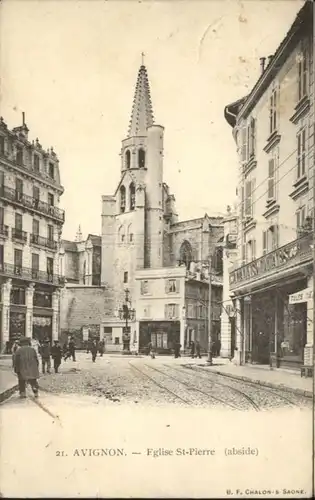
pixel 78 236
pixel 142 113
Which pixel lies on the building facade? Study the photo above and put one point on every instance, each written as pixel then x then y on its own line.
pixel 30 230
pixel 274 131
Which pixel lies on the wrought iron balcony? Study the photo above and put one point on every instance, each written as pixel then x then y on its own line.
pixel 19 235
pixel 4 230
pixel 31 203
pixel 29 274
pixel 292 254
pixel 43 242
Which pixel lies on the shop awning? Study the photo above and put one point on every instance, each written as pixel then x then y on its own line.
pixel 301 296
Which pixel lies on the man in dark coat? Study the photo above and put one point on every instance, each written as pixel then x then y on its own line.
pixel 101 347
pixel 177 349
pixel 71 350
pixel 192 349
pixel 26 367
pixel 45 352
pixel 198 347
pixel 94 350
pixel 56 354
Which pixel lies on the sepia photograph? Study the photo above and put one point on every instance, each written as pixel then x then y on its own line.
pixel 157 248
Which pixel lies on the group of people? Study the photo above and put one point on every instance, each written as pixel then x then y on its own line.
pixel 44 350
pixel 195 349
pixel 94 347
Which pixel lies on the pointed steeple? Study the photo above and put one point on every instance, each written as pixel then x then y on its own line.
pixel 142 113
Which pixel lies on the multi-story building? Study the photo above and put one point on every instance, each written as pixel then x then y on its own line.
pixel 30 229
pixel 273 128
pixel 172 305
pixel 228 327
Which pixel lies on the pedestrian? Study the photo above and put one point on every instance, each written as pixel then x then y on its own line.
pixel 192 349
pixel 198 347
pixel 45 352
pixel 177 349
pixel 94 350
pixel 26 367
pixel 15 347
pixel 56 354
pixel 71 350
pixel 152 350
pixel 149 347
pixel 101 347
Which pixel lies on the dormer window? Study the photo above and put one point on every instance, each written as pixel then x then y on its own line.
pixel 19 155
pixel 122 199
pixel 141 158
pixel 36 163
pixel 51 170
pixel 127 158
pixel 132 194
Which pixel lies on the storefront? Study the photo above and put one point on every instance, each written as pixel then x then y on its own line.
pixel 17 324
pixel 42 327
pixel 275 331
pixel 162 334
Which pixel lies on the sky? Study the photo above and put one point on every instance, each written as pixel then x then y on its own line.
pixel 72 66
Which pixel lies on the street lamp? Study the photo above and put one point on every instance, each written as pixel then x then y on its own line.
pixel 126 313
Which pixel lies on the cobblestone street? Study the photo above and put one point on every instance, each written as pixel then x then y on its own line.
pixel 163 381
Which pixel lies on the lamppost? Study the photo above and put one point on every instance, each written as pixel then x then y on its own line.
pixel 126 313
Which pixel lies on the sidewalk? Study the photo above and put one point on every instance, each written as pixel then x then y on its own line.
pixel 8 381
pixel 262 375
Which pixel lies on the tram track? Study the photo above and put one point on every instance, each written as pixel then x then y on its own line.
pixel 161 386
pixel 261 389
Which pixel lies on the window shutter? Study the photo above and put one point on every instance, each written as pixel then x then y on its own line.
pixel 177 285
pixel 166 308
pixel 252 190
pixel 176 311
pixel 244 144
pixel 265 242
pixel 166 286
pixel 271 186
pixel 242 202
pixel 253 137
pixel 248 198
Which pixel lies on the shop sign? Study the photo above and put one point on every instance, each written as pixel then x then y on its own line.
pixel 302 296
pixel 41 321
pixel 281 257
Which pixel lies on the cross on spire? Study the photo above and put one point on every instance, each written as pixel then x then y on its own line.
pixel 142 58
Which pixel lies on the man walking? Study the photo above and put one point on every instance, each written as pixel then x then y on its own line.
pixel 198 348
pixel 26 367
pixel 192 349
pixel 45 353
pixel 177 349
pixel 101 347
pixel 71 350
pixel 56 354
pixel 94 350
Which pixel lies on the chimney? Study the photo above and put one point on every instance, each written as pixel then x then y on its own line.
pixel 262 64
pixel 23 118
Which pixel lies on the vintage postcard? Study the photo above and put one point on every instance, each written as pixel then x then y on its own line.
pixel 157 192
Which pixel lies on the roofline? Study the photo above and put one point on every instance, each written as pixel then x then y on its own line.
pixel 304 16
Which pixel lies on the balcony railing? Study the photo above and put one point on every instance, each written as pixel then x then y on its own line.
pixel 31 203
pixel 28 274
pixel 294 253
pixel 43 242
pixel 18 234
pixel 4 230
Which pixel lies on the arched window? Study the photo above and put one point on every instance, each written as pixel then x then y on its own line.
pixel 132 196
pixel 141 158
pixel 127 158
pixel 185 253
pixel 121 234
pixel 122 199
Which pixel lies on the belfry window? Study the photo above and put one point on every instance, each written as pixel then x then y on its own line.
pixel 127 158
pixel 185 253
pixel 122 199
pixel 141 158
pixel 132 196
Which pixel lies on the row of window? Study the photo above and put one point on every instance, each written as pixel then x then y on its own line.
pixel 40 298
pixel 20 159
pixel 18 261
pixel 171 286
pixel 141 158
pixel 271 237
pixel 132 198
pixel 19 189
pixel 171 311
pixel 35 225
